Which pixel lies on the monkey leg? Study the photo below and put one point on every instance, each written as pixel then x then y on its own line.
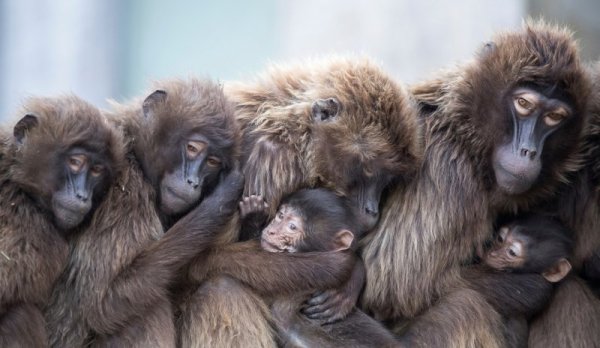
pixel 225 313
pixel 571 320
pixel 462 318
pixel 23 325
pixel 156 328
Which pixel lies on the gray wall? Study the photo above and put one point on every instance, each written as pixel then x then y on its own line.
pixel 112 49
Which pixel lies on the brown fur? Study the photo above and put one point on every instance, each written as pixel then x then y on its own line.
pixel 573 318
pixel 375 135
pixel 115 291
pixel 428 229
pixel 285 150
pixel 33 250
pixel 230 302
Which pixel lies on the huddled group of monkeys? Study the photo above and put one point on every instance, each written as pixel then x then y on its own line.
pixel 322 205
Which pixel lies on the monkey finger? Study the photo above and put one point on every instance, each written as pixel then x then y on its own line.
pixel 311 310
pixel 318 298
pixel 321 315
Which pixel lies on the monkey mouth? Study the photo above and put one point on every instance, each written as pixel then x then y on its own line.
pixel 268 246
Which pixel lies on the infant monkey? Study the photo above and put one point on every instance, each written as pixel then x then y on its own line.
pixel 312 220
pixel 517 273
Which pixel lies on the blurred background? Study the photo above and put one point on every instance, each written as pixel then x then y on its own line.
pixel 113 49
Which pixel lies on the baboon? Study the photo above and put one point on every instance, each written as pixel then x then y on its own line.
pixel 573 317
pixel 517 273
pixel 338 123
pixel 299 242
pixel 181 144
pixel 500 133
pixel 54 170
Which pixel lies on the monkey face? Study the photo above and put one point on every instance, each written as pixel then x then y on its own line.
pixel 508 251
pixel 182 187
pixel 84 173
pixel 285 232
pixel 535 116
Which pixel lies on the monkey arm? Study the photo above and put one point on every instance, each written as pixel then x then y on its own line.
pixel 276 273
pixel 511 294
pixel 146 279
pixel 335 304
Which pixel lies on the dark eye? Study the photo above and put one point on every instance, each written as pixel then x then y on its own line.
pixel 213 161
pixel 97 170
pixel 512 252
pixel 279 215
pixel 553 118
pixel 292 227
pixel 76 163
pixel 193 148
pixel 523 106
pixel 500 239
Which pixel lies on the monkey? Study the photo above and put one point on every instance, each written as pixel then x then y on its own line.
pixel 501 132
pixel 308 226
pixel 517 274
pixel 55 168
pixel 338 123
pixel 177 191
pixel 573 316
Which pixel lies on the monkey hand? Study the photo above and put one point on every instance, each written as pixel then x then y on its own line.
pixel 226 194
pixel 335 304
pixel 253 204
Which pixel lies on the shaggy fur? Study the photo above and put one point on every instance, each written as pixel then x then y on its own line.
pixel 573 318
pixel 285 149
pixel 428 229
pixel 33 250
pixel 115 289
pixel 373 138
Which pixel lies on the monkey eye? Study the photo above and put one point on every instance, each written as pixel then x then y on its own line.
pixel 97 170
pixel 500 238
pixel 511 252
pixel 514 250
pixel 523 106
pixel 292 226
pixel 213 161
pixel 194 148
pixel 553 118
pixel 279 215
pixel 76 163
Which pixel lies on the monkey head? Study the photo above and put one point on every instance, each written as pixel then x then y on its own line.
pixel 535 244
pixel 310 220
pixel 66 156
pixel 189 140
pixel 366 134
pixel 527 94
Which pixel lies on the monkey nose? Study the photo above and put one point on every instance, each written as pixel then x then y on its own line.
pixel 82 196
pixel 525 152
pixel 193 183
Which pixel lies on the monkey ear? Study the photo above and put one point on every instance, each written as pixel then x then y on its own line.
pixel 152 100
pixel 23 126
pixel 343 240
pixel 557 272
pixel 325 109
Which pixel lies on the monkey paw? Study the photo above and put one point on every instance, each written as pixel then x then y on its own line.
pixel 253 204
pixel 329 306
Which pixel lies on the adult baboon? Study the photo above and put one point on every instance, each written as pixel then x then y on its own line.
pixel 338 123
pixel 182 141
pixel 573 317
pixel 55 169
pixel 500 134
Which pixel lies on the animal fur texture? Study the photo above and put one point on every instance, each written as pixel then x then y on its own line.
pixel 432 226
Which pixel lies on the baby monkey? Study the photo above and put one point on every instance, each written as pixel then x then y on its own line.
pixel 313 220
pixel 517 273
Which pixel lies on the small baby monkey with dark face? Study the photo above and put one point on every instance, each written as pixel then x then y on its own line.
pixel 517 274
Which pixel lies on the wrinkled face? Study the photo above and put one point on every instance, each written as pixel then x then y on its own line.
pixel 535 116
pixel 285 232
pixel 84 175
pixel 182 185
pixel 508 251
